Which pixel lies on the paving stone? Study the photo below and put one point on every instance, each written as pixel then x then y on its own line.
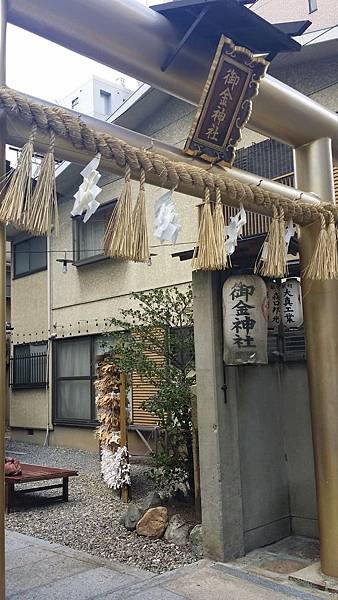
pixel 282 565
pixel 26 555
pixel 24 578
pixel 16 540
pixel 312 576
pixel 89 584
pixel 155 593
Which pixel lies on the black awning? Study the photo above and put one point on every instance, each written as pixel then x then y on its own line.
pixel 230 18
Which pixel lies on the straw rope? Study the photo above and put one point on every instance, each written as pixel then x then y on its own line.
pixel 170 174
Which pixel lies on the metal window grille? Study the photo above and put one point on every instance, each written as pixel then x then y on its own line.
pixel 29 371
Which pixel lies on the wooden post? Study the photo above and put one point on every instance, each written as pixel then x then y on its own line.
pixel 314 172
pixel 123 427
pixel 3 382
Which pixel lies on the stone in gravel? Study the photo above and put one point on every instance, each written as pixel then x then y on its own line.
pixel 132 516
pixel 196 540
pixel 153 523
pixel 177 531
pixel 152 500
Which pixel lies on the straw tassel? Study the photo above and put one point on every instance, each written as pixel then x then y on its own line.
pixel 15 206
pixel 119 235
pixel 141 244
pixel 323 263
pixel 205 254
pixel 273 258
pixel 219 225
pixel 332 256
pixel 44 210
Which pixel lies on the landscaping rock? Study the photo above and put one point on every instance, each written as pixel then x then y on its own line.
pixel 196 541
pixel 153 523
pixel 152 500
pixel 132 516
pixel 177 531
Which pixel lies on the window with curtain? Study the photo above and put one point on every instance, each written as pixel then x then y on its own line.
pixel 74 377
pixel 29 366
pixel 29 256
pixel 88 237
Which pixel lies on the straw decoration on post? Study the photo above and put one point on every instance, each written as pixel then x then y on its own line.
pixel 323 263
pixel 272 262
pixel 119 235
pixel 332 257
pixel 44 209
pixel 205 254
pixel 141 244
pixel 219 225
pixel 15 206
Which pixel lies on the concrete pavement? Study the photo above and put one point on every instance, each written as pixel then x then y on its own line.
pixel 38 570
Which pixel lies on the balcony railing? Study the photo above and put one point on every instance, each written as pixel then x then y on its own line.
pixel 29 371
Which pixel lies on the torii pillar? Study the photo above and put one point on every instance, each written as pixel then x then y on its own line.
pixel 314 173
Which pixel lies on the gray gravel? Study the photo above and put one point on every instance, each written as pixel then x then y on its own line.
pixel 90 521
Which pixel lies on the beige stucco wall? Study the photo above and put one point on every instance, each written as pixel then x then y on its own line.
pixel 29 317
pixel 279 11
pixel 99 290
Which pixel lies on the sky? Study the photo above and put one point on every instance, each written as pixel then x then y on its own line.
pixel 29 60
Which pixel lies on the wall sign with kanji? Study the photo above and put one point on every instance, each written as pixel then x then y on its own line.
pixel 245 320
pixel 274 305
pixel 291 303
pixel 226 103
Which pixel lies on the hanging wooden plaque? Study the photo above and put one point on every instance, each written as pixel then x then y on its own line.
pixel 225 105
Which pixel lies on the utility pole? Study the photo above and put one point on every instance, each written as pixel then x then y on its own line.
pixel 314 172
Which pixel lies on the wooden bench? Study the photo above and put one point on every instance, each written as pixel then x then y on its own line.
pixel 32 473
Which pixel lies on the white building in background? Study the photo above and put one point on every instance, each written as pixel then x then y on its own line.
pixel 98 97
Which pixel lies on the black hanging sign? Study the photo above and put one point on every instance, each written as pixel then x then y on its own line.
pixel 225 105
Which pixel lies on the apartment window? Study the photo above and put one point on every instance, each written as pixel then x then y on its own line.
pixel 75 102
pixel 105 101
pixel 88 237
pixel 29 256
pixel 74 376
pixel 312 5
pixel 29 366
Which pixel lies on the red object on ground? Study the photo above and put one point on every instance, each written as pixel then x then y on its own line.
pixel 12 467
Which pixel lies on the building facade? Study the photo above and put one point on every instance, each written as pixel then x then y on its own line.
pixel 98 97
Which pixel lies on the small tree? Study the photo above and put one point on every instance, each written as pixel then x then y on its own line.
pixel 157 342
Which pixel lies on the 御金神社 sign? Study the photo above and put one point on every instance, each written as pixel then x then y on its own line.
pixel 245 320
pixel 225 105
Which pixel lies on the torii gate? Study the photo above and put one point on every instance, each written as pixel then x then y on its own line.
pixel 311 129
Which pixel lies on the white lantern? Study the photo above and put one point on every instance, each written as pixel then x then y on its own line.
pixel 245 320
pixel 274 305
pixel 291 303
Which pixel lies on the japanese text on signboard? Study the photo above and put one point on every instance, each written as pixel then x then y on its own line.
pixel 225 104
pixel 245 320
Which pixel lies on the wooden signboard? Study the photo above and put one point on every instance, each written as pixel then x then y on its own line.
pixel 225 105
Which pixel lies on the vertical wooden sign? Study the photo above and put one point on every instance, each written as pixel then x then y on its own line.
pixel 226 102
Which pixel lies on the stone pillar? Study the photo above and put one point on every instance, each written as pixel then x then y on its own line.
pixel 217 426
